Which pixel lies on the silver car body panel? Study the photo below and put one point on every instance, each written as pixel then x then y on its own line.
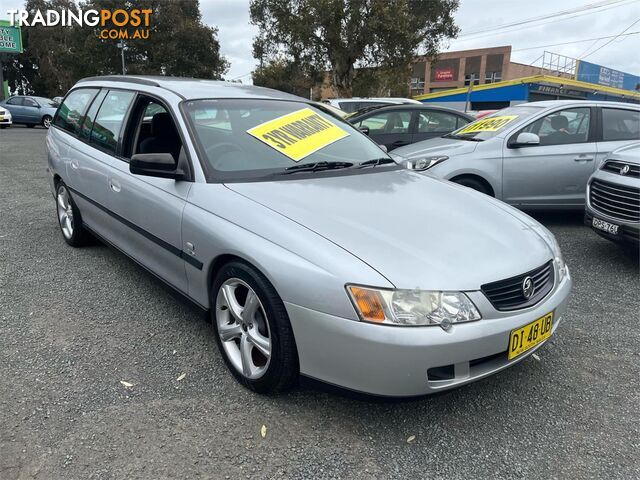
pixel 537 177
pixel 312 236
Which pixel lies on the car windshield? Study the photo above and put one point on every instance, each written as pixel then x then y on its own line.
pixel 262 139
pixel 493 124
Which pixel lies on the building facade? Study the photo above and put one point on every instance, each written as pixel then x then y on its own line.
pixel 461 68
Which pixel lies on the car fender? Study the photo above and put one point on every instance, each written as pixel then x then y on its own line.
pixel 304 267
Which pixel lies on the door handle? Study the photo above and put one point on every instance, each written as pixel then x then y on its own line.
pixel 581 158
pixel 114 185
pixel 74 164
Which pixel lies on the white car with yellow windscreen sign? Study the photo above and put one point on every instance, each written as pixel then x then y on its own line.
pixel 534 155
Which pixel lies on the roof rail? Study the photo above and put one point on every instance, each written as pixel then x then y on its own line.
pixel 121 78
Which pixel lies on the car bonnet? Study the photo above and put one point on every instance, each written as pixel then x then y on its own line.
pixel 417 231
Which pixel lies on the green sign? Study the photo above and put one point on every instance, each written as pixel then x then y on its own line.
pixel 10 38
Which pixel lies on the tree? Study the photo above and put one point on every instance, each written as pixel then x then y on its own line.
pixel 285 76
pixel 341 35
pixel 55 58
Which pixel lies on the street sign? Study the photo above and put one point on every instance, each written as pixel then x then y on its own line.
pixel 10 38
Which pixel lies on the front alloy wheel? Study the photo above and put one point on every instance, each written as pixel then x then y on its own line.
pixel 252 329
pixel 243 328
pixel 46 121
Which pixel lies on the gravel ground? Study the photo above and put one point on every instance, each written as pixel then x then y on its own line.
pixel 75 322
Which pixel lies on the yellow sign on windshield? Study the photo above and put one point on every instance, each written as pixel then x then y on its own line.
pixel 298 134
pixel 491 124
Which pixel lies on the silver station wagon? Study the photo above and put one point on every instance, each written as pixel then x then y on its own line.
pixel 536 155
pixel 314 252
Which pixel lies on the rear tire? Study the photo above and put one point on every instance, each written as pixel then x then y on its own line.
pixel 69 218
pixel 252 329
pixel 473 184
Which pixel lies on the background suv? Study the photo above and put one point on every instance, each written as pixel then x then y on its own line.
pixel 613 200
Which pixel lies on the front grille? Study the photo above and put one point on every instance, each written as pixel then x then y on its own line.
pixel 616 201
pixel 614 166
pixel 507 294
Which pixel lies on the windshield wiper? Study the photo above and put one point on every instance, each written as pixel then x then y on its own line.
pixel 375 162
pixel 463 137
pixel 315 167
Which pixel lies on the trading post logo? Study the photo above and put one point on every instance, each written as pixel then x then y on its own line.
pixel 116 24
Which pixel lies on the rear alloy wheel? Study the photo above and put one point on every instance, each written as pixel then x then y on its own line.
pixel 46 121
pixel 69 218
pixel 253 330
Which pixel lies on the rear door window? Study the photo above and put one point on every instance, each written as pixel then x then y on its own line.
pixel 71 112
pixel 437 122
pixel 388 122
pixel 15 101
pixel 620 124
pixel 110 119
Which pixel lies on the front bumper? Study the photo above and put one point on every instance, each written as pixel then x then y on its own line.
pixel 394 361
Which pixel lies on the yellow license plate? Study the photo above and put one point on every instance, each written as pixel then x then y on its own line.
pixel 1 118
pixel 530 335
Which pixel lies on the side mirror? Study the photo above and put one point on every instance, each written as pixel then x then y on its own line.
pixel 364 129
pixel 525 139
pixel 160 165
pixel 383 148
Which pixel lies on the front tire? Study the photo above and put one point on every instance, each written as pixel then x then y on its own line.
pixel 69 218
pixel 46 121
pixel 252 329
pixel 473 184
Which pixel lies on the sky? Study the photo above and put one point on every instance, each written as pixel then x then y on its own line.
pixel 231 17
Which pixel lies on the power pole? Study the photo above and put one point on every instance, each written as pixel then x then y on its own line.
pixel 122 46
pixel 466 104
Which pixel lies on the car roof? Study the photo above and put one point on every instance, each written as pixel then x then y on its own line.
pixel 190 88
pixel 560 103
pixel 409 106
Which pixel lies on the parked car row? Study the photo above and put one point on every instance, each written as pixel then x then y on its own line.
pixel 313 250
pixel 29 111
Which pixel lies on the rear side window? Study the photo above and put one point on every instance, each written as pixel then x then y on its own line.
pixel 70 113
pixel 87 124
pixel 109 120
pixel 619 124
pixel 15 101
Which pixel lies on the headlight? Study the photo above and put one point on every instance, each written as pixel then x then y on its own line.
pixel 412 307
pixel 557 254
pixel 427 162
pixel 559 261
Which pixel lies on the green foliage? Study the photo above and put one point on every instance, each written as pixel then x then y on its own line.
pixel 179 44
pixel 285 76
pixel 342 35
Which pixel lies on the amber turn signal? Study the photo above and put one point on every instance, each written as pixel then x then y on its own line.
pixel 369 303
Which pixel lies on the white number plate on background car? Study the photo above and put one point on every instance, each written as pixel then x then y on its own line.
pixel 605 226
